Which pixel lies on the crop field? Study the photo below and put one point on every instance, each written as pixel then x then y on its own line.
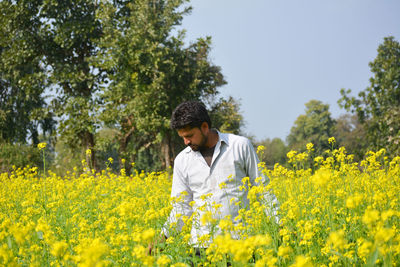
pixel 333 212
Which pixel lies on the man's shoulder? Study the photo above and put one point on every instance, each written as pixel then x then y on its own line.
pixel 235 140
pixel 183 154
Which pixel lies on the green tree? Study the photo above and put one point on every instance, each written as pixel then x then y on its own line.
pixel 18 155
pixel 69 38
pixel 350 133
pixel 275 151
pixel 225 115
pixel 152 72
pixel 24 121
pixel 116 64
pixel 60 36
pixel 66 158
pixel 378 106
pixel 22 79
pixel 316 126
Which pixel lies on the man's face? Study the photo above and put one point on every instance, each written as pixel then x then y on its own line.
pixel 195 137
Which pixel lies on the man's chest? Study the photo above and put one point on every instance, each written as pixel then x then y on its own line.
pixel 226 171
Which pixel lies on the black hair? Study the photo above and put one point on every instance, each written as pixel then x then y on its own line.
pixel 189 113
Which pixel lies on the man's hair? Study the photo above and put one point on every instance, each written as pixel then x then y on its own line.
pixel 189 113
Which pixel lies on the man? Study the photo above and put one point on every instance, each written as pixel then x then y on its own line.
pixel 209 171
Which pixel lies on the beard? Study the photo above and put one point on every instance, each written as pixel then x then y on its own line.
pixel 201 145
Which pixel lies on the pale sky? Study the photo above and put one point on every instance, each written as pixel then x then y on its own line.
pixel 278 55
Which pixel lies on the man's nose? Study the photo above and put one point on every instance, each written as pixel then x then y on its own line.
pixel 186 141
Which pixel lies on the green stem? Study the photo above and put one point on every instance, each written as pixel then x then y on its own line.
pixel 44 163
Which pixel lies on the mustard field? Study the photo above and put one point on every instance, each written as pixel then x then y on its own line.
pixel 333 212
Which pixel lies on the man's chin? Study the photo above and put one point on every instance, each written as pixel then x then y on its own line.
pixel 195 148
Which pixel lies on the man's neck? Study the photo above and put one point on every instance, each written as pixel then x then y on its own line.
pixel 212 138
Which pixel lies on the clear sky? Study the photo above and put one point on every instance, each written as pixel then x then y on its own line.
pixel 277 55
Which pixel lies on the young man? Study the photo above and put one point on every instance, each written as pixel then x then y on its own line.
pixel 213 164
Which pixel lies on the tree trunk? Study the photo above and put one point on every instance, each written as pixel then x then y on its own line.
pixel 166 151
pixel 123 143
pixel 89 144
pixel 124 139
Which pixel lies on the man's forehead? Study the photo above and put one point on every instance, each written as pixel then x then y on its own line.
pixel 186 131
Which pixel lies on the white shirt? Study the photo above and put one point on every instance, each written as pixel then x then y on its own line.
pixel 234 158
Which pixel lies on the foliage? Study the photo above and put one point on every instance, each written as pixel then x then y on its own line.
pixel 315 127
pixel 18 155
pixel 340 215
pixel 152 71
pixel 106 148
pixel 350 133
pixel 274 151
pixel 50 45
pixel 65 157
pixel 116 64
pixel 378 106
pixel 226 117
pixel 22 79
pixel 69 36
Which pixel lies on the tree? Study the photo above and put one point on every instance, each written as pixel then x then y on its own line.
pixel 69 40
pixel 316 126
pixel 225 115
pixel 275 151
pixel 152 72
pixel 22 79
pixel 378 106
pixel 58 40
pixel 350 133
pixel 115 64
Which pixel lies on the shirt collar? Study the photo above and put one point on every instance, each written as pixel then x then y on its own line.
pixel 223 137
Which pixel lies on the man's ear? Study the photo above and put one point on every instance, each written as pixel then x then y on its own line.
pixel 204 127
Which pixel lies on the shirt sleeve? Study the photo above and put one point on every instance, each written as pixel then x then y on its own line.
pixel 271 203
pixel 181 196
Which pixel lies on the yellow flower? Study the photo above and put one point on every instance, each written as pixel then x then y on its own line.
pixel 387 214
pixel 42 146
pixel 88 152
pixel 148 235
pixel 284 252
pixel 321 177
pixel 139 251
pixel 59 248
pixel 291 155
pixel 179 264
pixel 93 254
pixel 336 240
pixel 370 217
pixel 164 260
pixel 364 248
pixel 302 261
pixel 331 140
pixel 310 147
pixel 206 218
pixel 383 235
pixel 110 159
pixel 226 224
pixel 260 148
pixel 125 211
pixel 222 185
pixel 353 201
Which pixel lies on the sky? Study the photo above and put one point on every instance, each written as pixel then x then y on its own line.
pixel 278 55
